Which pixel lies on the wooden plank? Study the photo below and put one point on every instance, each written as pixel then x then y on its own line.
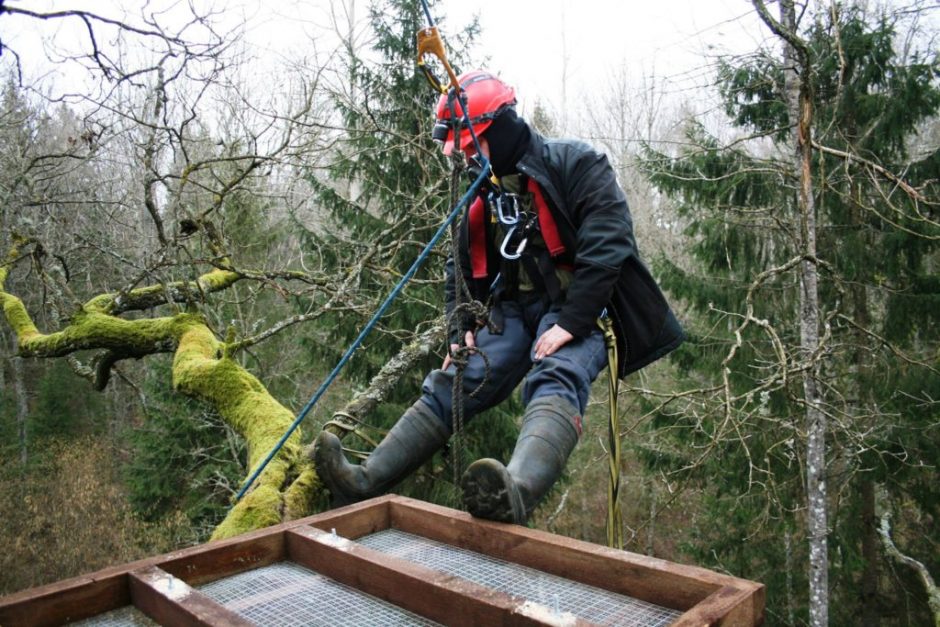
pixel 357 520
pixel 438 596
pixel 641 577
pixel 171 601
pixel 728 606
pixel 66 601
pixel 225 558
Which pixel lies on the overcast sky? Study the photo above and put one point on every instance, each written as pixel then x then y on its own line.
pixel 554 51
pixel 534 44
pixel 539 45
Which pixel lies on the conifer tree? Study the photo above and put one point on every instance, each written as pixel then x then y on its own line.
pixel 875 199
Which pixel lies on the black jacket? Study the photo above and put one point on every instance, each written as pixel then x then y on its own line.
pixel 593 219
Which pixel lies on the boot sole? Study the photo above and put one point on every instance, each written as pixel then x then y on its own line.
pixel 489 492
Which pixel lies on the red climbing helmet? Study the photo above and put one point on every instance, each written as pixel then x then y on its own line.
pixel 487 97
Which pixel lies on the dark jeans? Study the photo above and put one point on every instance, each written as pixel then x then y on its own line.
pixel 568 373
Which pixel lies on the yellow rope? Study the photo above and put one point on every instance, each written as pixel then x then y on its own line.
pixel 614 518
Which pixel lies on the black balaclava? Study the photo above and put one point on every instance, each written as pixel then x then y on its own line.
pixel 508 137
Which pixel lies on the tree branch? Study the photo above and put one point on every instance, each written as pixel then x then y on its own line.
pixel 933 594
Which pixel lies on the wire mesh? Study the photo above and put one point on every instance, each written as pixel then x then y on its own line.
pixel 128 616
pixel 556 593
pixel 286 594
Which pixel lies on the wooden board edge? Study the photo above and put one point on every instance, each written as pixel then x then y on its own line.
pixel 224 559
pixel 639 576
pixel 171 601
pixel 66 601
pixel 357 520
pixel 435 595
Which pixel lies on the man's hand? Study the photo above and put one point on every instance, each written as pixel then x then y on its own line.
pixel 470 341
pixel 551 341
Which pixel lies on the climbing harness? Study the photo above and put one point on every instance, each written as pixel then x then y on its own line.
pixel 614 517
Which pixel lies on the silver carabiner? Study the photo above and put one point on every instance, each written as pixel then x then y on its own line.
pixel 518 252
pixel 505 217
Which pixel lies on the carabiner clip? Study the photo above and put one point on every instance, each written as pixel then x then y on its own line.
pixel 507 218
pixel 518 252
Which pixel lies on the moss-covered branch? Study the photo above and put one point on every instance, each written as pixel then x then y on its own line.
pixel 156 295
pixel 202 369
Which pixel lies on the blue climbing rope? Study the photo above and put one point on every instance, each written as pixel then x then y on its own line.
pixel 369 326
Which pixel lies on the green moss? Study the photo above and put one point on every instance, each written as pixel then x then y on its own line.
pixel 213 281
pixel 96 330
pixel 238 396
pixel 18 318
pixel 200 370
pixel 258 509
pixel 302 494
pixel 217 280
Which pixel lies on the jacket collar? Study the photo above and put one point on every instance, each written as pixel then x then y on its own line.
pixel 535 164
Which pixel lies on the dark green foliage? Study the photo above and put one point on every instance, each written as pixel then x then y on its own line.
pixel 878 283
pixel 58 411
pixel 182 458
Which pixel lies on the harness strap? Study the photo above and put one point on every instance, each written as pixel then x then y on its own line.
pixel 614 516
pixel 541 270
pixel 546 226
pixel 546 220
pixel 478 238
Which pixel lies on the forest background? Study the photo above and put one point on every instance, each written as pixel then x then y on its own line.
pixel 187 255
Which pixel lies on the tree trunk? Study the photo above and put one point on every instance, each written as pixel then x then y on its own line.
pixel 791 601
pixel 798 90
pixel 870 553
pixel 22 401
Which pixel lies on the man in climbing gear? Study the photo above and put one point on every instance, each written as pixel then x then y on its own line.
pixel 549 246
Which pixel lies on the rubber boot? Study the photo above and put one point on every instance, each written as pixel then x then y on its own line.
pixel 510 493
pixel 417 435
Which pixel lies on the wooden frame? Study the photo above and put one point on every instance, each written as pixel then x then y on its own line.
pixel 162 587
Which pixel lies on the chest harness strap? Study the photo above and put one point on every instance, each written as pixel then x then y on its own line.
pixel 517 225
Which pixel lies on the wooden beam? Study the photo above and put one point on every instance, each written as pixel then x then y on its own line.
pixel 729 607
pixel 438 596
pixel 171 601
pixel 355 521
pixel 66 601
pixel 225 557
pixel 639 576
